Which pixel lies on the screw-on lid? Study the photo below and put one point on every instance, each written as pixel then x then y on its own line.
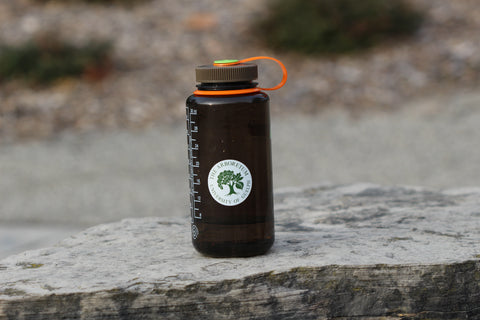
pixel 233 73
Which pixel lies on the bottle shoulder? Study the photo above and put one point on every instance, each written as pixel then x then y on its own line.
pixel 228 99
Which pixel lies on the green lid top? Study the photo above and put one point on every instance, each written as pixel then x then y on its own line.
pixel 226 61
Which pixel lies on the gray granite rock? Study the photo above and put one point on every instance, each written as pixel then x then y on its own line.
pixel 357 251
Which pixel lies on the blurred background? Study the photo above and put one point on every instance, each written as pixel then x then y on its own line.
pixel 92 100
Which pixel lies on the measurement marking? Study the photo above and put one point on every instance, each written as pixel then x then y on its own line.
pixel 193 148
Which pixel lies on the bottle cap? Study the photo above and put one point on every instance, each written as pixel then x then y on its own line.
pixel 232 73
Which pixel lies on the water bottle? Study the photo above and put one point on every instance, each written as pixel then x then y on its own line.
pixel 230 162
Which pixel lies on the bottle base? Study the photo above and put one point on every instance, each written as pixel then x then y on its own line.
pixel 233 249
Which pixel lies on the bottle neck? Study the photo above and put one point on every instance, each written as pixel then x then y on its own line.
pixel 222 86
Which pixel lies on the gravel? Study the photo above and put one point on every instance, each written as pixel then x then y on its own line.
pixel 158 43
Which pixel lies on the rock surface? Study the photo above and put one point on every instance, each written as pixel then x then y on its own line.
pixel 362 251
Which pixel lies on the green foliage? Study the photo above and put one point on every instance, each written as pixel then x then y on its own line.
pixel 104 2
pixel 230 179
pixel 48 59
pixel 335 26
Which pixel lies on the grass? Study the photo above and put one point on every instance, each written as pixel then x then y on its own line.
pixel 43 61
pixel 335 26
pixel 102 2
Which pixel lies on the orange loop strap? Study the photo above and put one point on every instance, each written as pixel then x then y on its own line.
pixel 251 90
pixel 284 70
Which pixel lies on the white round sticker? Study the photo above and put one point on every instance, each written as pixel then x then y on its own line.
pixel 229 182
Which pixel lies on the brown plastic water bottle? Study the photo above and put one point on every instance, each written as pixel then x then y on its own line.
pixel 230 165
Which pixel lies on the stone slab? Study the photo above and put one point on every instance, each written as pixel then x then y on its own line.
pixel 363 251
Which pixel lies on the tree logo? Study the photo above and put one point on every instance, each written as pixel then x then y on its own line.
pixel 229 182
pixel 230 179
